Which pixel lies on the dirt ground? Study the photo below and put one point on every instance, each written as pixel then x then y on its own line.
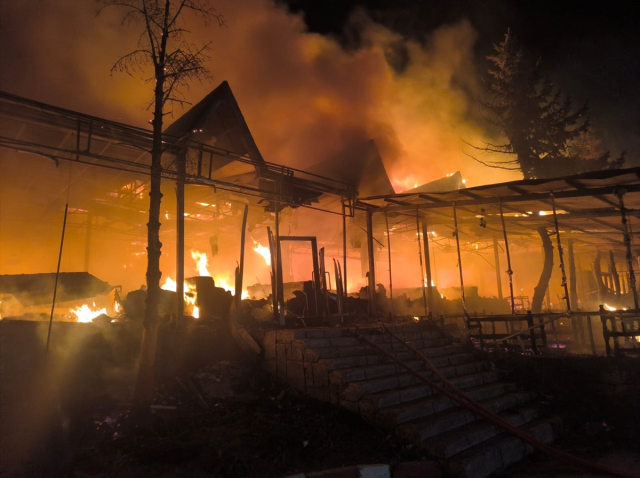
pixel 229 420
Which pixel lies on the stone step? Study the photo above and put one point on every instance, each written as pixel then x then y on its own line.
pixel 455 441
pixel 404 355
pixel 497 453
pixel 434 425
pixel 398 414
pixel 428 348
pixel 353 391
pixel 370 403
pixel 369 372
pixel 343 344
pixel 332 332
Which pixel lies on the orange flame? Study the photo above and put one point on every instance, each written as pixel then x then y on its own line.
pixel 86 314
pixel 202 262
pixel 263 251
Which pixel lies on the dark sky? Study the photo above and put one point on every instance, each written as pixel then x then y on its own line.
pixel 590 49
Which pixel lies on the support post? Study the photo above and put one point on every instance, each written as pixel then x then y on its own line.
pixel 457 234
pixel 561 255
pixel 344 258
pixel 427 263
pixel 386 223
pixel 180 242
pixel 87 242
pixel 496 257
pixel 316 272
pixel 424 293
pixel 55 286
pixel 506 248
pixel 627 243
pixel 372 262
pixel 573 283
pixel 614 274
pixel 279 280
pixel 239 279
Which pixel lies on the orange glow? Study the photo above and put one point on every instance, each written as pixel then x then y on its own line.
pixel 86 314
pixel 201 262
pixel 263 251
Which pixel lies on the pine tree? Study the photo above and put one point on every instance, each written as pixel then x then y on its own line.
pixel 545 137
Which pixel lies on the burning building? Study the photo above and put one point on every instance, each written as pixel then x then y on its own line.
pixel 329 246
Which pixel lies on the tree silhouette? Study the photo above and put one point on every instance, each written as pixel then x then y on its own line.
pixel 175 62
pixel 545 137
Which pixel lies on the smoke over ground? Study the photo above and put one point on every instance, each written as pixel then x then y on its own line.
pixel 304 96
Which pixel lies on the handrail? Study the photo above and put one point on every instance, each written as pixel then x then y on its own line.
pixel 466 401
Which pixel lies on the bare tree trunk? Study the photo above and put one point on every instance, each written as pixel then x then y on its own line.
pixel 143 393
pixel 547 269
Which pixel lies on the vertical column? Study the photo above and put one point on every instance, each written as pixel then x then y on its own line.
pixel 87 241
pixel 344 256
pixel 424 293
pixel 427 262
pixel 372 262
pixel 181 169
pixel 506 248
pixel 496 257
pixel 627 243
pixel 457 234
pixel 386 223
pixel 561 255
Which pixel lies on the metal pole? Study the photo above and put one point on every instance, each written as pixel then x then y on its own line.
pixel 87 242
pixel 427 262
pixel 561 255
pixel 457 234
pixel 180 244
pixel 279 281
pixel 627 243
pixel 55 286
pixel 386 222
pixel 372 265
pixel 344 256
pixel 506 248
pixel 496 257
pixel 238 297
pixel 424 293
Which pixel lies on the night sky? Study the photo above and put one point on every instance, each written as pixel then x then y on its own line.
pixel 591 50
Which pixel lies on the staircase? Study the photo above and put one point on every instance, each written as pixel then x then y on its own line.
pixel 332 365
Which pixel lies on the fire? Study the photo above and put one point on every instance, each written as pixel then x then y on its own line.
pixel 263 251
pixel 612 309
pixel 202 263
pixel 86 314
pixel 170 284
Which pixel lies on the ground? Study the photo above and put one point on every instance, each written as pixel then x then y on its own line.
pixel 252 427
pixel 231 419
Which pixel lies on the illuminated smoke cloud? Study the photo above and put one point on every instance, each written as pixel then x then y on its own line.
pixel 304 96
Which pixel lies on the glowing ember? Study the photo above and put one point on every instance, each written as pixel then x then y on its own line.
pixel 263 251
pixel 196 312
pixel 86 314
pixel 201 262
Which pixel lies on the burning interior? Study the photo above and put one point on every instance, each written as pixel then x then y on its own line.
pixel 314 247
pixel 526 265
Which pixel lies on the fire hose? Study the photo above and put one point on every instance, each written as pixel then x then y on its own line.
pixel 466 401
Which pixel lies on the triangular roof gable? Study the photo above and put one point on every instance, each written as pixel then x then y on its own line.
pixel 360 167
pixel 217 121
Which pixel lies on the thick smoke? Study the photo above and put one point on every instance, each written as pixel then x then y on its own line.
pixel 304 96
